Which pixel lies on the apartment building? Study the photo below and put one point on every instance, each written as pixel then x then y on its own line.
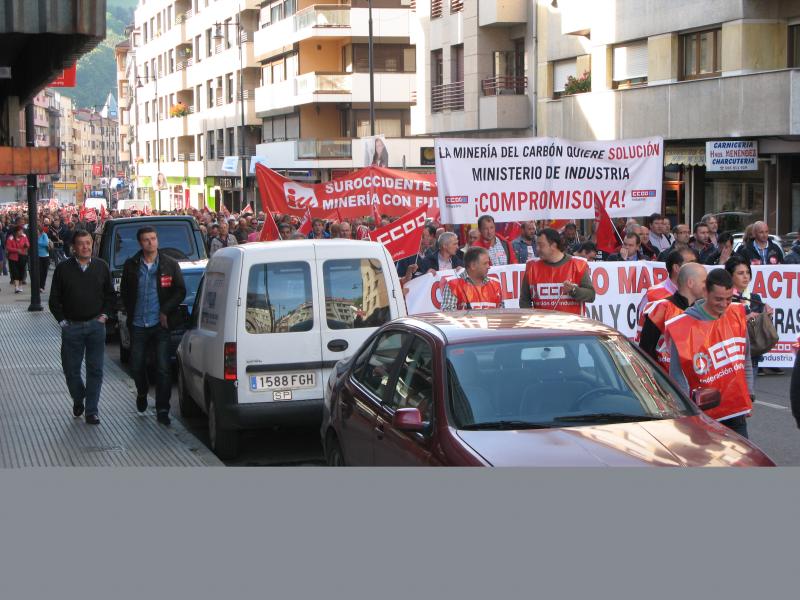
pixel 691 72
pixel 69 187
pixel 96 158
pixel 476 56
pixel 314 94
pixel 190 76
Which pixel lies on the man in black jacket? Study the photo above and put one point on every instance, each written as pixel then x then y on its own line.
pixel 152 289
pixel 446 258
pixel 762 250
pixel 81 298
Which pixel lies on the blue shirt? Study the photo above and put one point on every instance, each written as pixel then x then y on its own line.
pixel 147 309
pixel 43 241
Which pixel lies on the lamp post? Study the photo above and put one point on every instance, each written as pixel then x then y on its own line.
pixel 371 78
pixel 219 37
pixel 139 84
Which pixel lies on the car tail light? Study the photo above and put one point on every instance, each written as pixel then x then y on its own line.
pixel 230 361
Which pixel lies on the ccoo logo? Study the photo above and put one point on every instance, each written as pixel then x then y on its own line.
pixel 401 229
pixel 701 363
pixel 299 197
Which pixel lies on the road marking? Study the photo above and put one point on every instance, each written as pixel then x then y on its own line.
pixel 771 405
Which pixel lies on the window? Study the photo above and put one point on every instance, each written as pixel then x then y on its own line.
pixel 220 143
pixel 176 240
pixel 196 53
pixel 226 30
pixel 210 93
pixel 171 61
pixel 563 70
pixel 414 388
pixel 437 68
pixel 794 47
pixel 630 64
pixel 701 54
pixel 209 45
pixel 229 88
pixel 376 371
pixel 231 141
pixel 457 63
pixel 210 138
pixel 391 123
pixel 199 145
pixel 279 298
pixel 355 294
pixel 388 58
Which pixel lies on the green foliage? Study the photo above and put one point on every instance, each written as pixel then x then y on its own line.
pixel 578 85
pixel 97 70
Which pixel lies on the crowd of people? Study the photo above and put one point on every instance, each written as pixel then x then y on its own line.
pixel 717 302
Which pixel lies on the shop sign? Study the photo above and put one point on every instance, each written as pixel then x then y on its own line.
pixel 732 155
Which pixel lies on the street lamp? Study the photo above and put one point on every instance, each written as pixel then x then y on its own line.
pixel 219 38
pixel 139 84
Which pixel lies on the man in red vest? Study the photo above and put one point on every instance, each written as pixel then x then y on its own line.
pixel 473 289
pixel 556 281
pixel 710 348
pixel 691 287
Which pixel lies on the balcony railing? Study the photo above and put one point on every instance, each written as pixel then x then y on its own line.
pixel 322 16
pixel 312 83
pixel 502 84
pixel 436 9
pixel 246 94
pixel 324 149
pixel 185 157
pixel 456 6
pixel 447 96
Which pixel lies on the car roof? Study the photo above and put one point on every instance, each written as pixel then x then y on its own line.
pixel 483 325
pixel 146 219
pixel 193 265
pixel 287 245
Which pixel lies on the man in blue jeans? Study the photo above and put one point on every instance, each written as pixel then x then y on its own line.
pixel 152 289
pixel 81 296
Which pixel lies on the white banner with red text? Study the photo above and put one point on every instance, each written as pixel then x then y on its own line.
pixel 520 179
pixel 620 286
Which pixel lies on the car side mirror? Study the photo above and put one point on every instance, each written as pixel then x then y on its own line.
pixel 407 419
pixel 706 398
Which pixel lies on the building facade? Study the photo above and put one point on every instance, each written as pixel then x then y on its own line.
pixel 689 71
pixel 96 159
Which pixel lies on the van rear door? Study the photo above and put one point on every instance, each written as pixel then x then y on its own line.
pixel 357 295
pixel 279 327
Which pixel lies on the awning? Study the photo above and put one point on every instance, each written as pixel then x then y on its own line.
pixel 689 156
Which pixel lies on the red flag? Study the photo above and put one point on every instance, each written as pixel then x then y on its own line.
pixel 403 237
pixel 91 215
pixel 511 230
pixel 557 224
pixel 305 224
pixel 376 215
pixel 103 213
pixel 606 235
pixel 248 210
pixel 269 232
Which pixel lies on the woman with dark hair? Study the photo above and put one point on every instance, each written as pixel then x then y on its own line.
pixel 742 274
pixel 380 158
pixel 17 247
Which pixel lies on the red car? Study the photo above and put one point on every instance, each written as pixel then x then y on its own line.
pixel 516 388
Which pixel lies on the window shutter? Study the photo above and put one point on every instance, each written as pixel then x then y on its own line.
pixel 561 71
pixel 630 61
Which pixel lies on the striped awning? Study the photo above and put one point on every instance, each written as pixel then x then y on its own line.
pixel 690 156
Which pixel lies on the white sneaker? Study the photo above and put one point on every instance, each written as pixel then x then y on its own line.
pixel 18 291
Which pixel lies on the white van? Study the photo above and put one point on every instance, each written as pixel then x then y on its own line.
pixel 139 205
pixel 270 321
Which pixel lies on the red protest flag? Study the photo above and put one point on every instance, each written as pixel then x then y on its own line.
pixel 557 224
pixel 376 215
pixel 305 224
pixel 269 232
pixel 103 213
pixel 248 210
pixel 605 232
pixel 403 237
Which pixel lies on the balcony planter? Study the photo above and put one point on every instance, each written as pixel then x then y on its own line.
pixel 178 110
pixel 578 85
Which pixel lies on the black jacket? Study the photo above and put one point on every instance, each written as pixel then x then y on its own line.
pixel 751 254
pixel 169 296
pixel 431 261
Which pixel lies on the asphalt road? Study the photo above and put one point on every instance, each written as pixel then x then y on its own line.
pixel 772 427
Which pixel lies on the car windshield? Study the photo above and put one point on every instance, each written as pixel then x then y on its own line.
pixel 556 382
pixel 175 239
pixel 192 280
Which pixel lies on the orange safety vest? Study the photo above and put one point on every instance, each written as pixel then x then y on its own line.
pixel 712 354
pixel 653 293
pixel 486 296
pixel 545 282
pixel 660 312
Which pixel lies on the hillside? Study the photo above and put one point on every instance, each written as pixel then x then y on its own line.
pixel 97 75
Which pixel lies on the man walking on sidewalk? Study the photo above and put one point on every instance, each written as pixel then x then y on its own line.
pixel 81 297
pixel 152 289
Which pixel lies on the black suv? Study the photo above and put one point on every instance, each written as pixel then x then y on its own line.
pixel 115 242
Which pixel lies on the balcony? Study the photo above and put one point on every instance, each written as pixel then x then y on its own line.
pixel 331 22
pixel 502 13
pixel 504 85
pixel 691 109
pixel 447 96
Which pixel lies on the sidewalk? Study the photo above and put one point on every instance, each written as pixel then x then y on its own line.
pixel 37 428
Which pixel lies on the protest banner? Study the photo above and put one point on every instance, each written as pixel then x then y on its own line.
pixel 620 287
pixel 547 178
pixel 394 192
